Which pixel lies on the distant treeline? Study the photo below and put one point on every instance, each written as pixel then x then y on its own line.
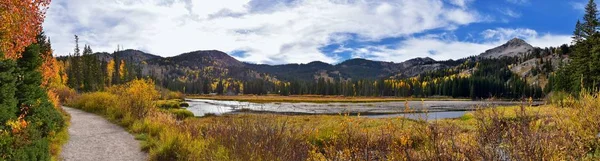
pixel 472 78
pixel 492 78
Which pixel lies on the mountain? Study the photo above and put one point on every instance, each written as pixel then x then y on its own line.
pixel 199 59
pixel 215 65
pixel 128 55
pixel 514 47
pixel 350 69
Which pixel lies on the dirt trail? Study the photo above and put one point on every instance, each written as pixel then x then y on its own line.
pixel 93 138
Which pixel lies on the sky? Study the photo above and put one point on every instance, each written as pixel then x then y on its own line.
pixel 302 31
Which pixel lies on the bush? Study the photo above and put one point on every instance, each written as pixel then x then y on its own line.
pixel 97 102
pixel 28 118
pixel 168 104
pixel 140 96
pixel 184 104
pixel 173 103
pixel 181 113
pixel 168 95
pixel 65 94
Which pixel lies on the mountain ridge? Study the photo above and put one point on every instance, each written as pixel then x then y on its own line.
pixel 217 64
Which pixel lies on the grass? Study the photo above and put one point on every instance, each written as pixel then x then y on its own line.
pixel 548 132
pixel 181 113
pixel 57 140
pixel 315 98
pixel 171 103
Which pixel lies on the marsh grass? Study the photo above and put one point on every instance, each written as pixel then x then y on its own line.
pixel 551 132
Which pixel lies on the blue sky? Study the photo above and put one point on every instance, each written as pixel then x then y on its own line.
pixel 301 31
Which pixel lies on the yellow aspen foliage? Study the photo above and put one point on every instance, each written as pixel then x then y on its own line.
pixel 110 70
pixel 140 95
pixel 122 70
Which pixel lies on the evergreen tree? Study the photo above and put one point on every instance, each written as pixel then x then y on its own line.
pixel 206 87
pixel 75 71
pixel 220 87
pixel 578 33
pixel 590 19
pixel 31 95
pixel 23 97
pixel 8 86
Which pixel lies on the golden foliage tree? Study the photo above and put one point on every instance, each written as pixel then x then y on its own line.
pixel 140 95
pixel 110 70
pixel 122 70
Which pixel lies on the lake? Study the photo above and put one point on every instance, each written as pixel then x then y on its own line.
pixel 408 109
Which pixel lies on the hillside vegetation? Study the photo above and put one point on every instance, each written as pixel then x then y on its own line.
pixel 516 133
pixel 516 71
pixel 32 124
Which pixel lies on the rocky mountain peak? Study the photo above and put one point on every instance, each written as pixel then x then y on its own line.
pixel 516 42
pixel 418 61
pixel 207 57
pixel 512 48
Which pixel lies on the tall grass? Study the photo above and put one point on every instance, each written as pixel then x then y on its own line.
pixel 552 132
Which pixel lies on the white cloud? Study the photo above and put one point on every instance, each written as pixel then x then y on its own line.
pixel 290 31
pixel 276 32
pixel 510 13
pixel 520 2
pixel 501 34
pixel 580 6
pixel 460 3
pixel 445 46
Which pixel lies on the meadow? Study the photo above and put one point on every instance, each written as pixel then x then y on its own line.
pixel 552 132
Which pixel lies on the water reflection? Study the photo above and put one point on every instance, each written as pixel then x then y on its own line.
pixel 437 109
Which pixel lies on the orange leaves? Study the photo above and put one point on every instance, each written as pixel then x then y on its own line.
pixel 20 124
pixel 21 22
pixel 50 69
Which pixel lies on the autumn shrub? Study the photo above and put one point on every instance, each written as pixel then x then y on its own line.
pixel 140 97
pixel 253 139
pixel 181 113
pixel 168 95
pixel 168 104
pixel 97 102
pixel 64 93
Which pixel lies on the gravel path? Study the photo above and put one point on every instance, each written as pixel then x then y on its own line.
pixel 93 138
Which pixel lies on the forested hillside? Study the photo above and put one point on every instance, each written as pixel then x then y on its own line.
pixel 512 70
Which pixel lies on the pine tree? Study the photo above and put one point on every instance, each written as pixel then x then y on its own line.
pixel 590 19
pixel 32 96
pixel 220 87
pixel 577 34
pixel 206 87
pixel 8 86
pixel 75 70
